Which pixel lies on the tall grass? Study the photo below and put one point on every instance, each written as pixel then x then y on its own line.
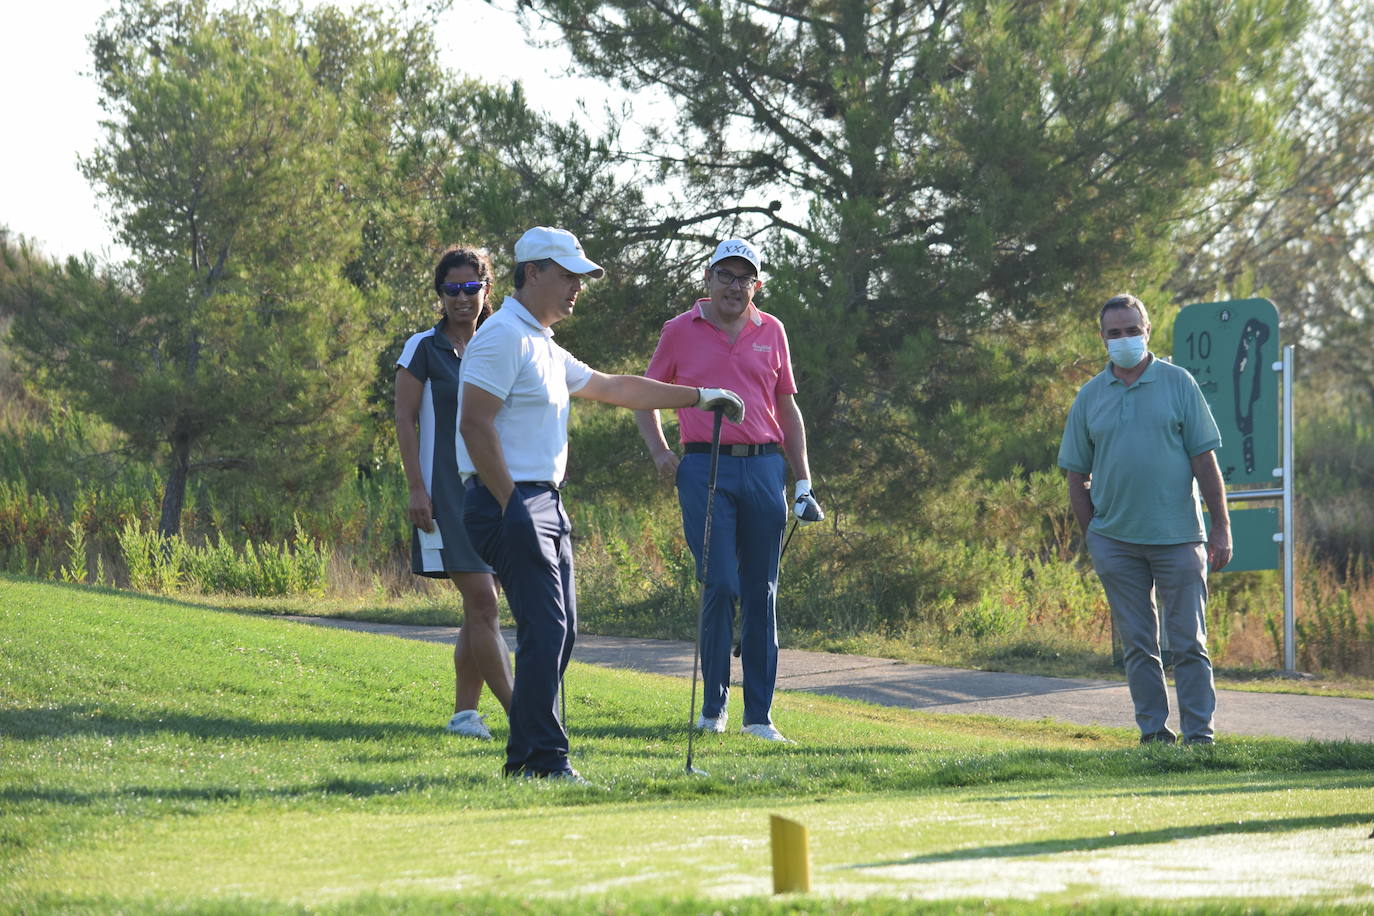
pixel 1335 447
pixel 990 572
pixel 1336 632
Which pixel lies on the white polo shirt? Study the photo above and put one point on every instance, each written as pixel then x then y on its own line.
pixel 513 357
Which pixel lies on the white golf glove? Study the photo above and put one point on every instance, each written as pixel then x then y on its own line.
pixel 805 508
pixel 722 399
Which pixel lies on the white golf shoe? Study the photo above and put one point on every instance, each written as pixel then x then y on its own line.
pixel 716 725
pixel 469 724
pixel 766 731
pixel 572 777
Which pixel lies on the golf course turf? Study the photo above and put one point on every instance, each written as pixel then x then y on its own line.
pixel 159 755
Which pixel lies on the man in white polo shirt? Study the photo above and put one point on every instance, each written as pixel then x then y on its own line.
pixel 514 424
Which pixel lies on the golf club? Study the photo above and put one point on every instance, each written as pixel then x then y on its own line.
pixel 783 552
pixel 705 577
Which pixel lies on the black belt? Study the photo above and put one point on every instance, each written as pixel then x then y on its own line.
pixel 475 481
pixel 737 450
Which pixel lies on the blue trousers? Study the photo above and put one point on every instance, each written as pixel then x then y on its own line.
pixel 747 522
pixel 530 547
pixel 1132 575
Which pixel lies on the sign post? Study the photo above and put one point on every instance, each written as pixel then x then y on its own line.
pixel 1230 348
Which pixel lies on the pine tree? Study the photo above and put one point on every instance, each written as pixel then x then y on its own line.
pixel 230 339
pixel 935 180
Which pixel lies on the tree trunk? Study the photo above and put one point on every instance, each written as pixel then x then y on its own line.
pixel 174 495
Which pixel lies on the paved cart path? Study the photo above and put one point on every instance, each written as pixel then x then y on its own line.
pixel 930 688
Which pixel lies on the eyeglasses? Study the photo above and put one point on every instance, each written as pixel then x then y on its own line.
pixel 470 288
pixel 727 279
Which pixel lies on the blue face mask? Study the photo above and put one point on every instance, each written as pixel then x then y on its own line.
pixel 1126 351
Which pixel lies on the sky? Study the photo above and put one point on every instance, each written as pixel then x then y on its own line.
pixel 52 110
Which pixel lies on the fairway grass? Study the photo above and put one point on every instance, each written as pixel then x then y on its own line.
pixel 1132 842
pixel 158 756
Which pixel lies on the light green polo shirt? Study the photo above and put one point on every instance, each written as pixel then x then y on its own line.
pixel 1137 443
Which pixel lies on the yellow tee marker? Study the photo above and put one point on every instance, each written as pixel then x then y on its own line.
pixel 791 856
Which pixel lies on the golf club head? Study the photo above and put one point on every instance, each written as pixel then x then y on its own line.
pixel 693 771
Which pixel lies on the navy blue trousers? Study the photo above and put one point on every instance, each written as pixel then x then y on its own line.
pixel 530 547
pixel 747 523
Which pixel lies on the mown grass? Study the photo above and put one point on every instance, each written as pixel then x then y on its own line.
pixel 159 755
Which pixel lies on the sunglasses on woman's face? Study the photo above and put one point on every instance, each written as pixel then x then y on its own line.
pixel 470 288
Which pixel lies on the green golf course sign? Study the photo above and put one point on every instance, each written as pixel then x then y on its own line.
pixel 1252 539
pixel 1230 348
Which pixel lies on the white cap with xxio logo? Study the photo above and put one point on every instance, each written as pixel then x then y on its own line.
pixel 737 248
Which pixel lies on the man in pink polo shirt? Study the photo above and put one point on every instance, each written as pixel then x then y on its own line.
pixel 725 338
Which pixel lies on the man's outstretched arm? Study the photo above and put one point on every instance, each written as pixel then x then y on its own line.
pixel 639 393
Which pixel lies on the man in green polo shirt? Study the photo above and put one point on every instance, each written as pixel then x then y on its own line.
pixel 1138 435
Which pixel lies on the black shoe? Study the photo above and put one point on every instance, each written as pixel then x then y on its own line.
pixel 510 770
pixel 1163 736
pixel 1200 741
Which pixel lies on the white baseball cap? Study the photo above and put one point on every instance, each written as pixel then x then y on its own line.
pixel 737 248
pixel 559 244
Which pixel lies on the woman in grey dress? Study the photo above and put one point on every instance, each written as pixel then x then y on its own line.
pixel 428 384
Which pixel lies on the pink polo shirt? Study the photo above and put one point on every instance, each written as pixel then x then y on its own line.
pixel 757 367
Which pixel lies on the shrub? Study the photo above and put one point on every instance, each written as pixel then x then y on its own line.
pixel 169 564
pixel 75 570
pixel 154 563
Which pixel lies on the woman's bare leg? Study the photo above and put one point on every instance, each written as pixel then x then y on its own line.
pixel 467 679
pixel 480 637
